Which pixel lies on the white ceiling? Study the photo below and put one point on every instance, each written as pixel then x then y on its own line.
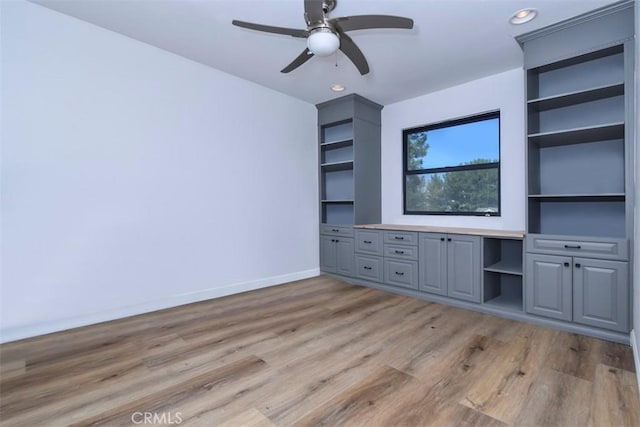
pixel 453 41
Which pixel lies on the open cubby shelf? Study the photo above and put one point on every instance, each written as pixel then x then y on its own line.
pixel 577 218
pixel 503 291
pixel 577 74
pixel 502 277
pixel 510 302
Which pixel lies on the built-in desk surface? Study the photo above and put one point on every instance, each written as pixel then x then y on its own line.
pixel 509 234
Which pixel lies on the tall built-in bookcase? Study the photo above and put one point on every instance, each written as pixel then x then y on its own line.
pixel 576 153
pixel 349 177
pixel 349 136
pixel 580 189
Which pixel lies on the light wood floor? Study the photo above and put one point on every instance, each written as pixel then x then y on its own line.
pixel 317 352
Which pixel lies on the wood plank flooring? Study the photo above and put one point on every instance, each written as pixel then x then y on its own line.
pixel 317 352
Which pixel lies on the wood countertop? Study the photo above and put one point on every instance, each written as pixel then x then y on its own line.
pixel 512 234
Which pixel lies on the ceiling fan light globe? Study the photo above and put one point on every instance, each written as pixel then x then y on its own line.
pixel 323 42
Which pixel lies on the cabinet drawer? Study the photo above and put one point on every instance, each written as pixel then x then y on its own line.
pixel 369 267
pixel 336 230
pixel 369 242
pixel 585 247
pixel 399 251
pixel 401 273
pixel 401 237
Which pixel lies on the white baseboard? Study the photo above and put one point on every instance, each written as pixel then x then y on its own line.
pixel 21 332
pixel 636 356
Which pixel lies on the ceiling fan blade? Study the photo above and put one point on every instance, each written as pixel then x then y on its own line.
pixel 313 11
pixel 365 22
pixel 301 59
pixel 270 29
pixel 353 52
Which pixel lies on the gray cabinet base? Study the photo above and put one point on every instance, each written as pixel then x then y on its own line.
pixel 622 338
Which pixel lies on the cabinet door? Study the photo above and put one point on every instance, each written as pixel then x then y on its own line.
pixel 432 270
pixel 549 286
pixel 328 254
pixel 345 256
pixel 601 293
pixel 463 267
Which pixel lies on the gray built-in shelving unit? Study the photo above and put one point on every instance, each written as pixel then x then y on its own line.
pixel 503 272
pixel 349 177
pixel 576 122
pixel 349 135
pixel 580 127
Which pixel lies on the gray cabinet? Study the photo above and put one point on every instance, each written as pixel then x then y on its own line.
pixel 588 291
pixel 600 293
pixel 349 153
pixel 369 242
pixel 433 263
pixel 369 249
pixel 549 286
pixel 369 267
pixel 337 255
pixel 400 258
pixel 463 267
pixel 450 265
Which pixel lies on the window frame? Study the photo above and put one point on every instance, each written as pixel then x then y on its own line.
pixel 450 123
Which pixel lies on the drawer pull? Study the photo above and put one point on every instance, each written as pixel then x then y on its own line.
pixel 399 273
pixel 572 246
pixel 398 252
pixel 335 230
pixel 399 238
pixel 449 239
pixel 333 240
pixel 577 265
pixel 366 267
pixel 442 239
pixel 566 264
pixel 368 242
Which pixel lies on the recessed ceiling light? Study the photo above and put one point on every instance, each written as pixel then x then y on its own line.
pixel 337 87
pixel 522 16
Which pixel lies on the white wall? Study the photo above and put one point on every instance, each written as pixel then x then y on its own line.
pixel 134 179
pixel 498 92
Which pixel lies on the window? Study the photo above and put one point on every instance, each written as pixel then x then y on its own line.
pixel 453 168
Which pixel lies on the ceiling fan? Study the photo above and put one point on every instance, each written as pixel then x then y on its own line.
pixel 325 36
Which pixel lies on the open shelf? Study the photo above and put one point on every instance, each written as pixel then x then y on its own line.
pixel 337 213
pixel 611 197
pixel 506 267
pixel 336 132
pixel 337 166
pixel 503 291
pixel 602 132
pixel 337 201
pixel 507 302
pixel 502 276
pixel 575 97
pixel 577 74
pixel 575 217
pixel 337 144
